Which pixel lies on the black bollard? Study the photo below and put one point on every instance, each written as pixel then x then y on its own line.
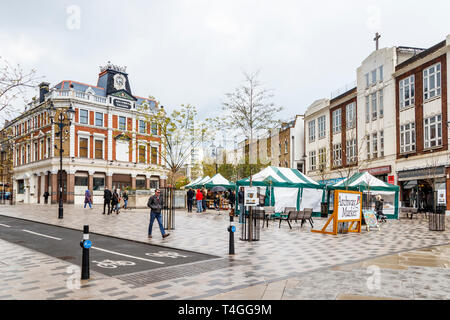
pixel 231 230
pixel 85 244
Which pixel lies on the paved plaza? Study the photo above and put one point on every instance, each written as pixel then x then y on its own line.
pixel 402 261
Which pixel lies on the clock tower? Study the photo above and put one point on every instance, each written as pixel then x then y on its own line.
pixel 115 80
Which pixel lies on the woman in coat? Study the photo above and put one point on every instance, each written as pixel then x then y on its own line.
pixel 115 201
pixel 87 199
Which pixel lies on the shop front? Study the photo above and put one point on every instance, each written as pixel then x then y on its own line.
pixel 421 188
pixel 381 173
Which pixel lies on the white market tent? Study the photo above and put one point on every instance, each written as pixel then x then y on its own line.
pixel 368 184
pixel 286 187
pixel 189 185
pixel 200 183
pixel 219 180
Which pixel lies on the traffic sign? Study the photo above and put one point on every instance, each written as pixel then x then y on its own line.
pixel 87 244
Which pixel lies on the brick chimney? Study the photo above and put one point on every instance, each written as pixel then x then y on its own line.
pixel 43 90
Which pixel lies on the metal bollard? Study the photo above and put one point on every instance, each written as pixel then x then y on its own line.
pixel 231 230
pixel 85 244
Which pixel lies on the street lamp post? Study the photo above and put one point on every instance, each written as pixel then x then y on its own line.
pixel 61 123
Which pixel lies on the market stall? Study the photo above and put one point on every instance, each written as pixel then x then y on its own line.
pixel 189 185
pixel 285 187
pixel 371 187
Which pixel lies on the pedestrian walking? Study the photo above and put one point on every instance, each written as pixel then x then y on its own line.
pixel 241 204
pixel 46 195
pixel 125 199
pixel 107 195
pixel 115 202
pixel 87 199
pixel 155 203
pixel 190 199
pixel 199 198
pixel 205 194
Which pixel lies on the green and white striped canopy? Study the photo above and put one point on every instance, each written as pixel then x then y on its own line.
pixel 219 180
pixel 364 181
pixel 200 183
pixel 281 177
pixel 189 185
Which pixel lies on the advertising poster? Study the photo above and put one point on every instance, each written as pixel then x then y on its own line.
pixel 251 197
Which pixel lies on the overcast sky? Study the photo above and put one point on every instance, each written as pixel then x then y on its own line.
pixel 183 51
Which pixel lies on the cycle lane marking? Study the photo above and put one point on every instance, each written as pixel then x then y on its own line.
pixel 42 235
pixel 4 225
pixel 126 255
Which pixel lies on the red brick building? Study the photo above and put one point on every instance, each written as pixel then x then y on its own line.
pixel 109 142
pixel 422 128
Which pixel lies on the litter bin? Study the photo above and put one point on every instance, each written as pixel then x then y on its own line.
pixel 245 227
pixel 437 220
pixel 324 210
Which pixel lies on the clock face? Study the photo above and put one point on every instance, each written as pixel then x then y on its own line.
pixel 119 82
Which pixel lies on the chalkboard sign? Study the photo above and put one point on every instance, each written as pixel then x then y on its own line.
pixel 371 219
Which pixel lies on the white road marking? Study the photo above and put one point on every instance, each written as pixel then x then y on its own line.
pixel 4 225
pixel 40 234
pixel 128 256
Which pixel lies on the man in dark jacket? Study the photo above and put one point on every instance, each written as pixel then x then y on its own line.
pixel 107 195
pixel 155 203
pixel 190 199
pixel 241 204
pixel 46 195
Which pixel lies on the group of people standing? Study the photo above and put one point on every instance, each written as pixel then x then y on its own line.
pixel 200 198
pixel 112 200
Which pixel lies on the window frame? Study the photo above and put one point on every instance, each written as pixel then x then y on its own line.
pixel 139 152
pixel 427 128
pixel 407 85
pixel 82 117
pixel 119 124
pixel 79 147
pixel 337 155
pixel 322 126
pixel 312 161
pixel 102 150
pixel 407 130
pixel 312 130
pixel 144 131
pixel 352 124
pixel 437 74
pixel 351 151
pixel 337 120
pixel 97 119
pixel 374 109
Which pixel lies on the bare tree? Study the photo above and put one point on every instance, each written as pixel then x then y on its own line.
pixel 249 111
pixel 13 84
pixel 180 133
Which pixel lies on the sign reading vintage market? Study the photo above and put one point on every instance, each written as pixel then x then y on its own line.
pixel 347 208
